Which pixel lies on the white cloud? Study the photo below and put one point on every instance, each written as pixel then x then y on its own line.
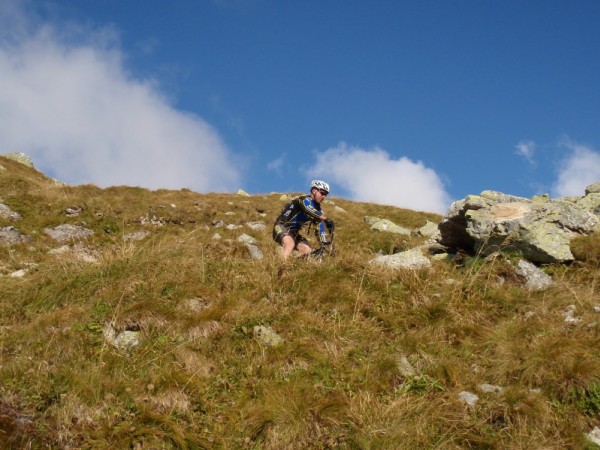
pixel 372 176
pixel 75 109
pixel 580 169
pixel 526 149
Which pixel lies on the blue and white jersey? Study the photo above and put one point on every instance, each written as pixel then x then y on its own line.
pixel 299 212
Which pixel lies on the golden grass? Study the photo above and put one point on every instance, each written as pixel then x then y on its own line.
pixel 200 378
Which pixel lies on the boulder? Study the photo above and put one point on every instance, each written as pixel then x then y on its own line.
pixel 593 188
pixel 540 229
pixel 535 278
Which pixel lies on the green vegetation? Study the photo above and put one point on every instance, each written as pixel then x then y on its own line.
pixel 200 378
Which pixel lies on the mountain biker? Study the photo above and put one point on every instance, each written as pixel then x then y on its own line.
pixel 296 214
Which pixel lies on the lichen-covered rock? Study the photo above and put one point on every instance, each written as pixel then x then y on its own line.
pixel 593 188
pixel 9 214
pixel 428 230
pixel 267 336
pixel 68 232
pixel 10 235
pixel 20 157
pixel 539 229
pixel 389 227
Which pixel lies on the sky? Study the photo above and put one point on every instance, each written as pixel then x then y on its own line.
pixel 408 103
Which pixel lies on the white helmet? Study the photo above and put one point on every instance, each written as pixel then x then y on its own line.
pixel 319 185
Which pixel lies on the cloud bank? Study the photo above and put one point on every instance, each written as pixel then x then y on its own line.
pixel 373 176
pixel 577 171
pixel 71 104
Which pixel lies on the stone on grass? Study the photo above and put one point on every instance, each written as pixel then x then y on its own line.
pixel 490 388
pixel 594 436
pixel 68 232
pixel 428 230
pixel 255 252
pixel 256 226
pixel 243 193
pixel 389 227
pixel 468 397
pixel 124 340
pixel 136 236
pixel 20 157
pixel 409 259
pixel 535 278
pixel 267 336
pixel 569 315
pixel 10 235
pixel 9 214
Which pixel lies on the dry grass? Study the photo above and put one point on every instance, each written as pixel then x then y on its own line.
pixel 201 379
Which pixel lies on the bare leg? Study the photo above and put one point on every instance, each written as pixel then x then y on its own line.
pixel 288 246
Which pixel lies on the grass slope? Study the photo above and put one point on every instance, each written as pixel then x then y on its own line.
pixel 370 359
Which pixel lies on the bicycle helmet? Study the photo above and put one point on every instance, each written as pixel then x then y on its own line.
pixel 321 185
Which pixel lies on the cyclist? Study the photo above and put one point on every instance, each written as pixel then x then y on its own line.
pixel 296 214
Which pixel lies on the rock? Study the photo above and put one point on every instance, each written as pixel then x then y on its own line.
pixel 591 203
pixel 535 278
pixel 569 315
pixel 10 235
pixel 68 232
pixel 389 227
pixel 78 251
pixel 371 220
pixel 539 230
pixel 594 436
pixel 428 230
pixel 73 211
pixel 9 214
pixel 256 226
pixel 18 273
pixel 232 226
pixel 267 336
pixel 593 188
pixel 216 237
pixel 2 168
pixel 409 259
pixel 490 388
pixel 245 239
pixel 136 236
pixel 339 210
pixel 405 367
pixel 243 193
pixel 124 340
pixel 20 157
pixel 468 397
pixel 284 198
pixel 255 252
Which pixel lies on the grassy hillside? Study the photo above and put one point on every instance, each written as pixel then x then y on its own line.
pixel 368 359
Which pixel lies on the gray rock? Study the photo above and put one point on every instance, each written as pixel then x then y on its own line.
pixel 339 209
pixel 10 235
pixel 124 340
pixel 389 227
pixel 535 278
pixel 20 157
pixel 590 202
pixel 409 259
pixel 136 236
pixel 246 239
pixel 256 226
pixel 405 367
pixel 267 336
pixel 255 252
pixel 371 220
pixel 593 188
pixel 243 193
pixel 468 397
pixel 68 232
pixel 539 230
pixel 428 230
pixel 594 436
pixel 490 388
pixel 9 214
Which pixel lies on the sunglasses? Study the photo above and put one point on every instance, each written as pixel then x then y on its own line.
pixel 323 193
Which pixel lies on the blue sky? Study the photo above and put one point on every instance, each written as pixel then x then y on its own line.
pixel 411 103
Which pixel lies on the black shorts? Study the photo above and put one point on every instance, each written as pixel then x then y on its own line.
pixel 280 231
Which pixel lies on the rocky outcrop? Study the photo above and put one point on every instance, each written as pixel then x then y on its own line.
pixel 20 157
pixel 540 228
pixel 409 259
